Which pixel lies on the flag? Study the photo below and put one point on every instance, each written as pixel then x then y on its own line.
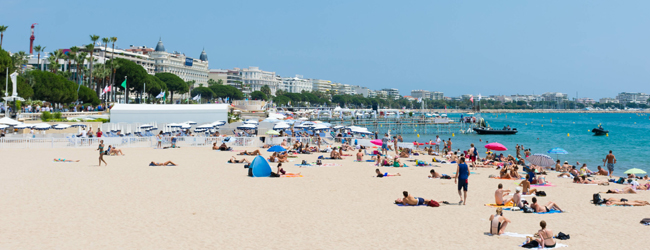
pixel 124 84
pixel 471 99
pixel 420 100
pixel 161 95
pixel 197 97
pixel 479 97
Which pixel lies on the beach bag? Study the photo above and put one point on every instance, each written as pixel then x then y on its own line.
pixel 247 165
pixel 433 203
pixel 621 180
pixel 532 244
pixel 528 210
pixel 304 162
pixel 597 199
pixel 319 162
pixel 320 157
pixel 274 175
pixel 563 236
pixel 540 193
pixel 646 221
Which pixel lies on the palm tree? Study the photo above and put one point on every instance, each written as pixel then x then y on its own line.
pixel 112 77
pixel 19 59
pixel 105 40
pixel 91 48
pixel 38 50
pixel 74 52
pixel 3 28
pixel 81 58
pixel 54 61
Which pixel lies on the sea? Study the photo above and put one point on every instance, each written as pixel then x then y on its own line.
pixel 628 137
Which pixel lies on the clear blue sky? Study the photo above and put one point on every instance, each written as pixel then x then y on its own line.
pixel 598 48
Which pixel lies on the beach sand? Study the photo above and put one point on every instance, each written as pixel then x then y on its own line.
pixel 206 203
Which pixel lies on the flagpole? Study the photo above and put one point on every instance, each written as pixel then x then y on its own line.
pixel 144 90
pixel 126 89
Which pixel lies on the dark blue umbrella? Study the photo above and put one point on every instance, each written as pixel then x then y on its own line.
pixel 276 148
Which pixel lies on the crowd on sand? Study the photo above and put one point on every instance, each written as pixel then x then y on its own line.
pixel 531 178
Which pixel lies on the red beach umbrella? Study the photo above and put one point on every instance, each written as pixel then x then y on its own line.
pixel 496 146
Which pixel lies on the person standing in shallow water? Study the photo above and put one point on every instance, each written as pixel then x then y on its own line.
pixel 609 161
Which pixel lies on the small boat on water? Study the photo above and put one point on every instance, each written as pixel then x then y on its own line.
pixel 490 131
pixel 600 131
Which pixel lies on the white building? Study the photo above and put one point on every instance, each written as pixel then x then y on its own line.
pixel 363 91
pixel 608 100
pixel 586 101
pixel 424 94
pixel 342 89
pixel 320 85
pixel 554 97
pixel 437 95
pixel 296 84
pixel 99 55
pixel 626 97
pixel 392 92
pixel 187 68
pixel 256 78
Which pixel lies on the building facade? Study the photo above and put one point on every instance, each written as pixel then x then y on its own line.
pixel 363 91
pixel 187 68
pixel 392 93
pixel 320 85
pixel 608 100
pixel 255 79
pixel 296 84
pixel 554 97
pixel 437 95
pixel 627 97
pixel 424 94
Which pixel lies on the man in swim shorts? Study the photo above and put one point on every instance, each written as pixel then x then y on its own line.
pixel 609 161
pixel 409 200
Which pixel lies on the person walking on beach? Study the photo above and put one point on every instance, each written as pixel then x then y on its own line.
pixel 610 160
pixel 438 143
pixel 384 144
pixel 473 154
pixel 395 143
pixel 449 144
pixel 462 174
pixel 101 153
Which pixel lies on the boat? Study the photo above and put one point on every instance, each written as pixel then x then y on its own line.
pixel 490 131
pixel 600 131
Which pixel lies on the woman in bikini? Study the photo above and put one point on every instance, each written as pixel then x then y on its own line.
pixel 234 160
pixel 498 222
pixel 544 236
pixel 281 171
pixel 101 153
pixel 624 202
pixel 273 157
pixel 381 175
pixel 359 155
pixel 583 180
pixel 167 163
pixel 625 190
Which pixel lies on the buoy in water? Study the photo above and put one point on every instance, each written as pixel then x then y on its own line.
pixel 542 125
pixel 567 135
pixel 526 124
pixel 607 134
pixel 452 134
pixel 588 130
pixel 418 135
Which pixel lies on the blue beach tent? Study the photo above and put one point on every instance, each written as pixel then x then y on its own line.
pixel 259 167
pixel 276 148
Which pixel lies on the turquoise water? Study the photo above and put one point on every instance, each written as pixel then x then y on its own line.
pixel 628 138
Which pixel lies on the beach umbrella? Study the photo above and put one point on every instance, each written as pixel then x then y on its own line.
pixel 557 151
pixel 42 126
pixel 23 126
pixel 174 125
pixel 145 126
pixel 634 171
pixel 496 146
pixel 271 120
pixel 308 123
pixel 247 126
pixel 251 122
pixel 190 122
pixel 186 126
pixel 276 148
pixel 281 125
pixel 205 126
pixel 61 126
pixel 303 118
pixel 9 121
pixel 272 132
pixel 78 125
pixel 541 160
pixel 4 126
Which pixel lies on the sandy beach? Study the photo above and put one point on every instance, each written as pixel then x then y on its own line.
pixel 206 203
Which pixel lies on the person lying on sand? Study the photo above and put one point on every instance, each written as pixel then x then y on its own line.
pixel 544 236
pixel 543 209
pixel 601 171
pixel 359 155
pixel 500 195
pixel 434 174
pixel 167 163
pixel 409 200
pixel 583 180
pixel 625 202
pixel 64 160
pixel 256 152
pixel 498 222
pixel 380 175
pixel 224 147
pixel 234 160
pixel 625 190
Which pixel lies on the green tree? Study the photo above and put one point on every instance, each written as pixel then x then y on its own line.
pixel 38 49
pixel 3 28
pixel 266 90
pixel 53 60
pixel 212 82
pixel 91 48
pixel 87 95
pixel 154 86
pixel 5 62
pixel 135 75
pixel 281 100
pixel 173 83
pixel 258 95
pixel 24 89
pixel 205 92
pixel 54 88
pixel 223 91
pixel 19 59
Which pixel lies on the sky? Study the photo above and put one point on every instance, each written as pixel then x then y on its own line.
pixel 585 48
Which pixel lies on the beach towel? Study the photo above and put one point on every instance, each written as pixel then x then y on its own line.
pixel 518 235
pixel 509 204
pixel 291 176
pixel 553 211
pixel 502 178
pixel 402 205
pixel 469 172
pixel 548 184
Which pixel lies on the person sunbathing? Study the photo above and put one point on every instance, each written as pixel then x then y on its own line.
pixel 214 146
pixel 500 195
pixel 380 175
pixel 284 144
pixel 281 171
pixel 514 174
pixel 359 155
pixel 64 160
pixel 625 202
pixel 397 163
pixel 167 163
pixel 544 237
pixel 584 171
pixel 256 152
pixel 404 153
pixel 409 200
pixel 116 151
pixel 282 157
pixel 583 180
pixel 335 155
pixel 625 190
pixel 273 157
pixel 525 184
pixel 234 160
pixel 498 222
pixel 434 174
pixel 544 209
